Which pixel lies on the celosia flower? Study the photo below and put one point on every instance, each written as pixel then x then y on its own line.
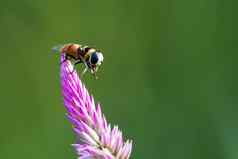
pixel 95 137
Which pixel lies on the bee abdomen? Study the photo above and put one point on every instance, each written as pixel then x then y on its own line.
pixel 71 50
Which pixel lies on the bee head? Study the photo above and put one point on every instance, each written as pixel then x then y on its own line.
pixel 96 59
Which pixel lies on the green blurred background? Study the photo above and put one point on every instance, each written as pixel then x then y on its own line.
pixel 169 79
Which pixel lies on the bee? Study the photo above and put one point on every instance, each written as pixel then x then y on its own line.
pixel 89 56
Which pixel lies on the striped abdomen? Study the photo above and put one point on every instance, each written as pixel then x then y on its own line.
pixel 71 50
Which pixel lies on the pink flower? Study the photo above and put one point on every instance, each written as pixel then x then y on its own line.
pixel 95 137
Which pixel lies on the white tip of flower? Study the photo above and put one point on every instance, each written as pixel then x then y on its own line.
pixel 125 151
pixel 91 132
pixel 85 138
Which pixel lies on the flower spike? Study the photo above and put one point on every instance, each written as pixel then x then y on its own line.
pixel 95 137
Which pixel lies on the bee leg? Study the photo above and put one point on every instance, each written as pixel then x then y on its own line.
pixel 65 59
pixel 76 62
pixel 83 61
pixel 93 72
pixel 84 71
pixel 95 76
pixel 61 62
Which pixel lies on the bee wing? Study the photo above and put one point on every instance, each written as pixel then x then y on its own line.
pixel 57 48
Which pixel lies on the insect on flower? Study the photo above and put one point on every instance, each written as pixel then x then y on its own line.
pixel 89 56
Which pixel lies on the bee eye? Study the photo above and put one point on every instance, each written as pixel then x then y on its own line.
pixel 94 58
